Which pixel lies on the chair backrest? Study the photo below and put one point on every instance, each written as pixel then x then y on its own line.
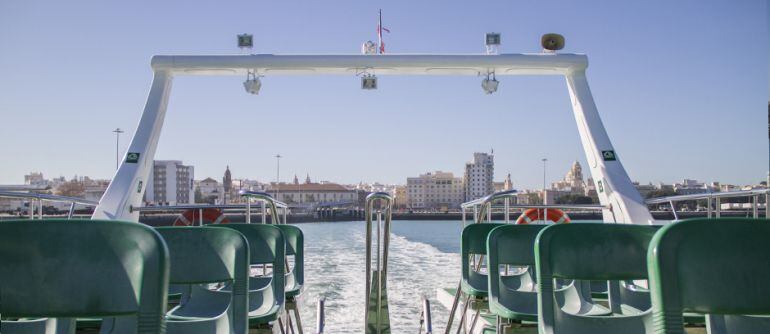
pixel 513 244
pixel 474 241
pixel 719 266
pixel 208 255
pixel 266 246
pixel 83 268
pixel 588 251
pixel 295 245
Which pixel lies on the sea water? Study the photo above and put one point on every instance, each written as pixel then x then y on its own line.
pixel 423 256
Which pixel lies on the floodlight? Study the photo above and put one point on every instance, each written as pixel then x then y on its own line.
pixel 252 84
pixel 490 85
pixel 492 38
pixel 245 41
pixel 492 41
pixel 369 82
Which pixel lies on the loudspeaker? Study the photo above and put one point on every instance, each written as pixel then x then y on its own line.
pixel 552 42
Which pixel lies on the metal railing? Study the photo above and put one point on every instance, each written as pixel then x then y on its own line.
pixel 40 198
pixel 385 202
pixel 426 323
pixel 267 203
pixel 320 317
pixel 485 206
pixel 716 198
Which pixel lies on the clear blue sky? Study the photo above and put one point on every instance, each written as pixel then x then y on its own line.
pixel 682 87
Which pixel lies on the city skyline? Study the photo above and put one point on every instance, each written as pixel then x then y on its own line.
pixel 659 113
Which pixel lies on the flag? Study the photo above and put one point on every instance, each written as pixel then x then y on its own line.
pixel 380 28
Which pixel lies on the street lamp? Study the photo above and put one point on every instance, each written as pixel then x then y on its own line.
pixel 544 160
pixel 277 174
pixel 117 132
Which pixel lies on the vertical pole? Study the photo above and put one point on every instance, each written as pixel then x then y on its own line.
pixel 708 204
pixel 200 216
pixel 719 207
pixel 507 210
pixel 264 212
pixel 489 212
pixel 248 211
pixel 117 131
pixel 40 209
pixel 754 207
pixel 462 208
pixel 31 209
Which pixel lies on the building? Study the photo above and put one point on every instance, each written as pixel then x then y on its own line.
pixel 209 191
pixel 505 185
pixel 438 190
pixel 310 194
pixel 478 178
pixel 573 181
pixel 171 184
pixel 400 199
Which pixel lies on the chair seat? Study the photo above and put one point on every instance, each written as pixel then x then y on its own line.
pixel 477 285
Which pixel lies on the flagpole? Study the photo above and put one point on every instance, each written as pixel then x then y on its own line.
pixel 379 33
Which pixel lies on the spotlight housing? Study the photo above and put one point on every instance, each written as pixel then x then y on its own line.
pixel 489 84
pixel 369 82
pixel 245 41
pixel 492 42
pixel 252 84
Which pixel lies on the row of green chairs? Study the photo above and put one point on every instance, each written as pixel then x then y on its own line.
pixel 716 267
pixel 53 271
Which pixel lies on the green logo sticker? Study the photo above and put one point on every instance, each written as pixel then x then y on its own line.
pixel 132 157
pixel 600 186
pixel 609 155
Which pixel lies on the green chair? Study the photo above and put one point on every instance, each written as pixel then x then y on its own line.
pixel 720 267
pixel 473 242
pixel 83 268
pixel 201 255
pixel 295 276
pixel 512 297
pixel 295 245
pixel 585 252
pixel 267 246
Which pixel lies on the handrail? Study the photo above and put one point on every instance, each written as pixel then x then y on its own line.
pixel 707 195
pixel 265 198
pixel 383 233
pixel 487 207
pixel 426 321
pixel 49 198
pixel 718 196
pixel 320 317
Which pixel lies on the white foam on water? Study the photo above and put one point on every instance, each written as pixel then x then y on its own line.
pixel 334 268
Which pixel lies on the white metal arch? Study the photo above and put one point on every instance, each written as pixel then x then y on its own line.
pixel 614 187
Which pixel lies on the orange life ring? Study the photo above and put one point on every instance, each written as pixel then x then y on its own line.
pixel 532 215
pixel 192 217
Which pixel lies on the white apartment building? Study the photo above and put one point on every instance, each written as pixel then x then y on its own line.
pixel 434 191
pixel 479 174
pixel 171 184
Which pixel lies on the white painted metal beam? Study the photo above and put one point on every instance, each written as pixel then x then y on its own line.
pixel 616 191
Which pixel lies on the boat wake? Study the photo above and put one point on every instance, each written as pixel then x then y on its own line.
pixel 334 269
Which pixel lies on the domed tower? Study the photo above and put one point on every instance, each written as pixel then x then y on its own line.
pixel 227 181
pixel 227 184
